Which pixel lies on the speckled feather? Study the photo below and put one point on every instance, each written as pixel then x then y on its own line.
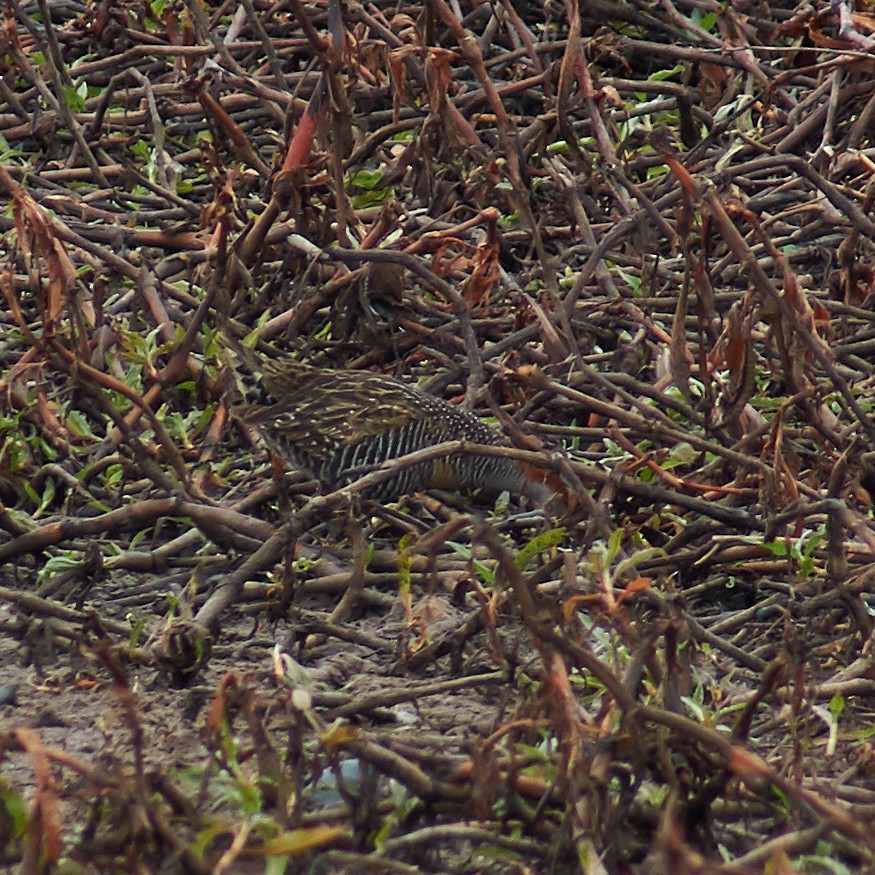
pixel 335 422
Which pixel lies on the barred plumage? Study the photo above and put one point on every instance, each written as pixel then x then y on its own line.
pixel 334 423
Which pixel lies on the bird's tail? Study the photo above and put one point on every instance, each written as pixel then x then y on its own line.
pixel 545 488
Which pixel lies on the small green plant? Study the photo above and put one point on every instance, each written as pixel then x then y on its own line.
pixel 13 811
pixel 800 551
pixel 375 192
pixel 76 96
pixel 483 571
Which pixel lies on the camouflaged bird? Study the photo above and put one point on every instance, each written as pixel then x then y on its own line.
pixel 336 423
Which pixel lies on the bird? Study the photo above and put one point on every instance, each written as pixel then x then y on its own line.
pixel 335 423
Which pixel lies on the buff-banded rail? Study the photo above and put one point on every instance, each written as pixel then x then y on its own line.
pixel 336 423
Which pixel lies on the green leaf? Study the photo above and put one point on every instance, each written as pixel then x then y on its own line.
pixel 630 563
pixel 75 97
pixel 15 808
pixel 776 548
pixel 657 171
pixel 141 149
pixel 276 865
pixel 861 734
pixel 48 497
pixel 695 708
pixel 372 198
pixel 484 572
pixel 301 841
pixel 662 75
pixel 138 627
pixel 367 179
pixel 539 544
pixel 139 537
pixel 78 424
pixel 47 449
pixel 708 21
pixel 18 455
pixel 615 544
pixel 58 565
pixel 31 493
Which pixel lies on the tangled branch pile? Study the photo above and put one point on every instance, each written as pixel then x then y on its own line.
pixel 635 236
